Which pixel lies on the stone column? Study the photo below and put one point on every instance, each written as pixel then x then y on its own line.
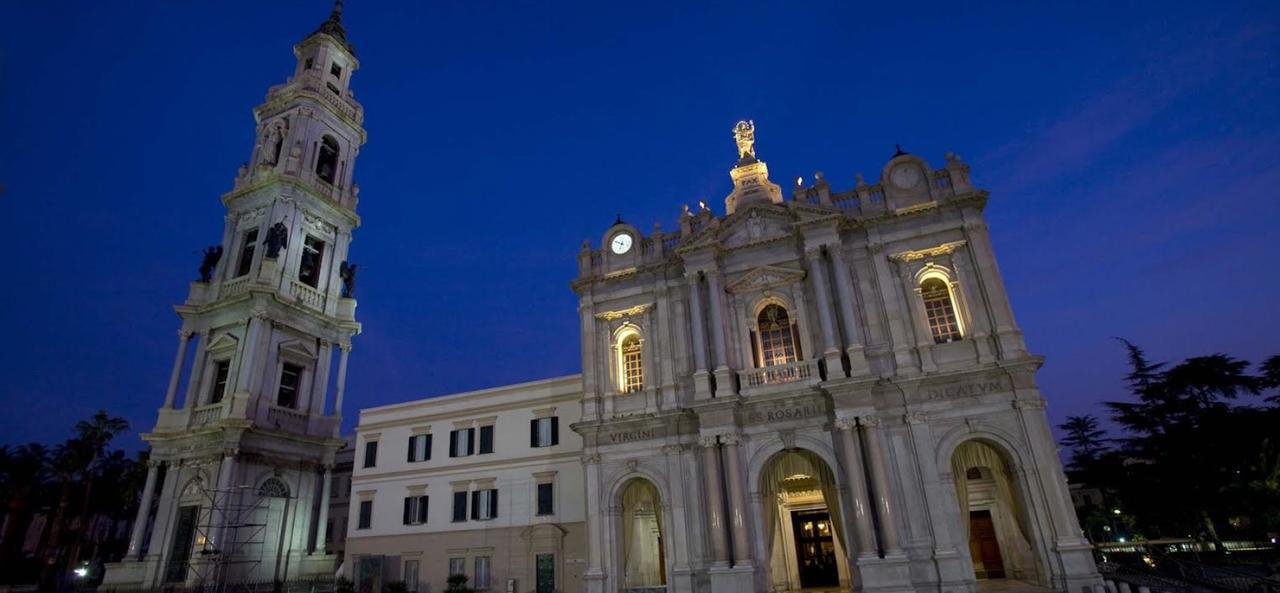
pixel 863 524
pixel 144 511
pixel 320 379
pixel 594 577
pixel 716 295
pixel 822 294
pixel 917 319
pixel 184 336
pixel 342 378
pixel 880 479
pixel 223 491
pixel 322 524
pixel 715 501
pixel 737 500
pixel 249 355
pixel 228 247
pixel 848 312
pixel 701 383
pixel 197 371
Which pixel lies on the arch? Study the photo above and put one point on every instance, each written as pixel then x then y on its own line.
pixel 273 487
pixel 994 509
pixel 628 351
pixel 642 525
pixel 937 290
pixel 327 159
pixel 775 337
pixel 802 528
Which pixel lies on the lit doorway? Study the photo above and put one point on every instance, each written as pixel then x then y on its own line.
pixel 802 523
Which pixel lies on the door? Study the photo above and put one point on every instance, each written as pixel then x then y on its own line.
pixel 815 548
pixel 546 576
pixel 984 547
pixel 180 549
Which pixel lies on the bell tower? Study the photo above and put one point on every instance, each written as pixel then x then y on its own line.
pixel 241 463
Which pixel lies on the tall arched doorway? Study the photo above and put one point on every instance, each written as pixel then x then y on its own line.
pixel 993 515
pixel 644 558
pixel 803 526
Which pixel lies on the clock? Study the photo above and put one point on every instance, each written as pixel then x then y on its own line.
pixel 905 176
pixel 621 243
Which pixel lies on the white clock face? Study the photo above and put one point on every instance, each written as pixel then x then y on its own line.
pixel 906 176
pixel 621 243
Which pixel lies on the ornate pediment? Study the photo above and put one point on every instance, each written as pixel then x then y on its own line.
pixel 759 223
pixel 629 312
pixel 224 341
pixel 765 277
pixel 918 254
pixel 298 349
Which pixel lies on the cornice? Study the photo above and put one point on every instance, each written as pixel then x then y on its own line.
pixel 919 254
pixel 323 201
pixel 629 312
pixel 450 470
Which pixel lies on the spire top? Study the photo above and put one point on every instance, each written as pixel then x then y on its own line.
pixel 332 27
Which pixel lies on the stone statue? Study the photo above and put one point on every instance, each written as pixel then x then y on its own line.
pixel 745 135
pixel 212 254
pixel 271 148
pixel 277 239
pixel 348 273
pixel 293 164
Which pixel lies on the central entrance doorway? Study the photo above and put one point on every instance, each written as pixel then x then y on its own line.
pixel 815 548
pixel 984 547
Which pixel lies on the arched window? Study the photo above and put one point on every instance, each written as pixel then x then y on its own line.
pixel 940 310
pixel 327 161
pixel 777 336
pixel 630 361
pixel 273 488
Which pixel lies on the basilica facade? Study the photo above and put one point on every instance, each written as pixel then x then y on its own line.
pixel 825 390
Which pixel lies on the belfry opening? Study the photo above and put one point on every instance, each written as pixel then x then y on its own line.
pixel 803 525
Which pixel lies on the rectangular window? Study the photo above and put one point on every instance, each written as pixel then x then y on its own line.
pixel 411 575
pixel 481 580
pixel 415 510
pixel 220 371
pixel 462 442
pixel 484 504
pixel 546 497
pixel 290 379
pixel 486 439
pixel 371 453
pixel 544 432
pixel 366 514
pixel 309 265
pixel 310 62
pixel 459 507
pixel 457 566
pixel 335 70
pixel 247 245
pixel 419 447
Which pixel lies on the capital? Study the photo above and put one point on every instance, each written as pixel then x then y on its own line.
pixel 707 442
pixel 591 458
pixel 325 343
pixel 185 333
pixel 672 449
pixel 344 346
pixel 731 438
pixel 260 315
pixel 846 423
pixel 870 421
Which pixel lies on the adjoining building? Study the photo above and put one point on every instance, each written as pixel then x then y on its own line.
pixel 823 392
pixel 488 484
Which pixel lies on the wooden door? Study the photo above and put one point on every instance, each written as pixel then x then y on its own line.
pixel 984 547
pixel 815 548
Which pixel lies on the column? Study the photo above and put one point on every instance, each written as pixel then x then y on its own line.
pixel 737 501
pixel 342 377
pixel 594 577
pixel 322 524
pixel 144 511
pixel 848 312
pixel 714 501
pixel 917 319
pixel 717 319
pixel 701 384
pixel 863 524
pixel 320 379
pixel 880 480
pixel 184 336
pixel 822 294
pixel 224 491
pixel 197 371
pixel 228 247
pixel 249 355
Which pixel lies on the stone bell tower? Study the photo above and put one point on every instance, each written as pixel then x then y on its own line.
pixel 240 479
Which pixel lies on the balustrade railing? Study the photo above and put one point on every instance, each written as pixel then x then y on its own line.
pixel 286 419
pixel 779 373
pixel 234 286
pixel 205 415
pixel 306 295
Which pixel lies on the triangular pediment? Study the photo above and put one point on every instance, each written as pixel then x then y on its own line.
pixel 298 349
pixel 755 224
pixel 808 213
pixel 765 277
pixel 224 341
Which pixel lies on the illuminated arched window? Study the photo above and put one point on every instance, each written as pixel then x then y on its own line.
pixel 940 310
pixel 273 488
pixel 327 161
pixel 778 341
pixel 630 363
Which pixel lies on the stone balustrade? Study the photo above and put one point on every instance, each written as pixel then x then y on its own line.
pixel 286 419
pixel 306 295
pixel 206 415
pixel 799 370
pixel 234 287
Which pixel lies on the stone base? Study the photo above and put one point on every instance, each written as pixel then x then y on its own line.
pixel 318 564
pixel 732 580
pixel 891 574
pixel 128 574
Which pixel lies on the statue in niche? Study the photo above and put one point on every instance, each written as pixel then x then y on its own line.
pixel 271 148
pixel 744 134
pixel 212 254
pixel 277 239
pixel 347 272
pixel 755 227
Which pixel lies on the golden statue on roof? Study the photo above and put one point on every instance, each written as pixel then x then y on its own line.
pixel 745 135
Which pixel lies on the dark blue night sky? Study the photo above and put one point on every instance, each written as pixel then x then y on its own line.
pixel 1132 152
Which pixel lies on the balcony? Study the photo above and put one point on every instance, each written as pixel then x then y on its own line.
pixel 234 287
pixel 286 419
pixel 305 295
pixel 206 415
pixel 792 372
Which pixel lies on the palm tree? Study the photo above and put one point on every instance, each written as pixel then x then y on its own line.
pixel 23 471
pixel 96 433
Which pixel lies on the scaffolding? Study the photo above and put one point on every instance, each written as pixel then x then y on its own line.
pixel 232 540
